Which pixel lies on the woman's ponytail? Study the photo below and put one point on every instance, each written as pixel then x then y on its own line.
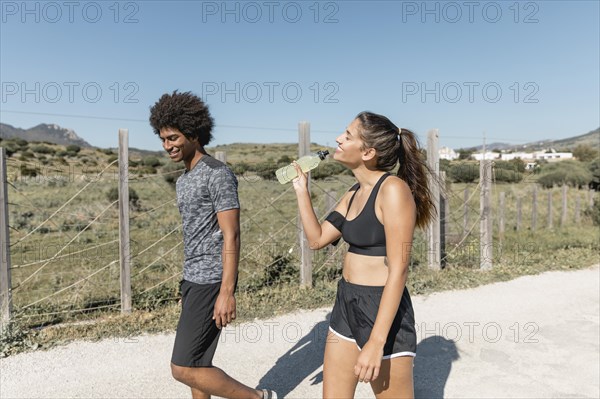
pixel 415 172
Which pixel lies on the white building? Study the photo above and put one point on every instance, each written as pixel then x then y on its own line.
pixel 552 156
pixel 447 153
pixel 528 157
pixel 516 155
pixel 488 155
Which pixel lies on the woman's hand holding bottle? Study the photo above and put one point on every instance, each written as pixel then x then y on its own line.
pixel 300 183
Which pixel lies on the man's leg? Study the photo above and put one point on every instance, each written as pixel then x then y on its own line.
pixel 196 341
pixel 206 381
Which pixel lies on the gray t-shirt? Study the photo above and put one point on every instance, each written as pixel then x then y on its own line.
pixel 208 188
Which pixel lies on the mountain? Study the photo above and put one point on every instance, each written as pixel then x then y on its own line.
pixel 492 146
pixel 44 132
pixel 591 139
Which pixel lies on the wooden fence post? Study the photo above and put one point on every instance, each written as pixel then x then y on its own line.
pixel 433 236
pixel 124 248
pixel 305 252
pixel 518 227
pixel 466 211
pixel 550 209
pixel 534 208
pixel 5 281
pixel 221 156
pixel 501 216
pixel 577 209
pixel 485 224
pixel 563 216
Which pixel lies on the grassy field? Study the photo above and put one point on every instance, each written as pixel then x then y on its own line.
pixel 65 277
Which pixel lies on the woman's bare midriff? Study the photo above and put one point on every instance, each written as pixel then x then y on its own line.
pixel 365 270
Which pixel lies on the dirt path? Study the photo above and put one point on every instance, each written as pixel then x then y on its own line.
pixel 536 336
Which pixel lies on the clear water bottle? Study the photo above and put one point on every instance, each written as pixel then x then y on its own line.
pixel 307 162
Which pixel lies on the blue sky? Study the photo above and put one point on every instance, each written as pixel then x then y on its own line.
pixel 518 71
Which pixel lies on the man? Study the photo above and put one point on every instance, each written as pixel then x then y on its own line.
pixel 208 203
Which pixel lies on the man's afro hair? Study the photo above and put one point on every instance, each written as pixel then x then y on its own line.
pixel 185 112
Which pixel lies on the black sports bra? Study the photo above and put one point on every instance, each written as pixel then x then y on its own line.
pixel 364 233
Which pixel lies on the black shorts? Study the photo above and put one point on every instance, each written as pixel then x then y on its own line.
pixel 354 314
pixel 197 333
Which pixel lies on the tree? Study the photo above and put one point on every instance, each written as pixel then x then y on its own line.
pixel 594 168
pixel 585 153
pixel 464 154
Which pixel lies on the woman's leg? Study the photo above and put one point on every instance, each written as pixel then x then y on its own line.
pixel 395 379
pixel 340 357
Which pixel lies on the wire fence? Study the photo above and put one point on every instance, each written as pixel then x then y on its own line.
pixel 65 241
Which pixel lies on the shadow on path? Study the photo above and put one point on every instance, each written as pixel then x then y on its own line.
pixel 432 366
pixel 299 362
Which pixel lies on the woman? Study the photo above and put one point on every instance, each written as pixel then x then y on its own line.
pixel 372 337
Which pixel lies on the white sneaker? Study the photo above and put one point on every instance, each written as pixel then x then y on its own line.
pixel 269 394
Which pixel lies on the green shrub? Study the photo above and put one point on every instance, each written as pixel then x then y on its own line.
pixel 509 171
pixel 585 153
pixel 28 172
pixel 17 143
pixel 151 161
pixel 445 166
pixel 464 154
pixel 327 169
pixel 573 173
pixel 240 168
pixel 594 212
pixel 10 148
pixel 280 270
pixel 105 151
pixel 594 168
pixel 464 172
pixel 113 195
pixel 43 149
pixel 74 224
pixel 171 172
pixel 61 160
pixel 284 160
pixel 28 154
pixel 147 170
pixel 266 170
pixel 73 148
